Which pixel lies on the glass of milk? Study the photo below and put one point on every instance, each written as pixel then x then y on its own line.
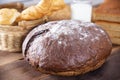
pixel 81 10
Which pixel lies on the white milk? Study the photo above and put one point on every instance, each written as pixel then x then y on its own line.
pixel 81 11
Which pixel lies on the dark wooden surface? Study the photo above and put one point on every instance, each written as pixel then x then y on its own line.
pixel 13 67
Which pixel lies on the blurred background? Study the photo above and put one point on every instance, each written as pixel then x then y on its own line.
pixel 31 2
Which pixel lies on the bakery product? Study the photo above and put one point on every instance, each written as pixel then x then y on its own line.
pixel 107 11
pixel 15 26
pixel 113 29
pixel 12 34
pixel 44 7
pixel 6 19
pixel 67 47
pixel 107 15
pixel 112 26
pixel 45 10
pixel 109 26
pixel 32 23
pixel 63 14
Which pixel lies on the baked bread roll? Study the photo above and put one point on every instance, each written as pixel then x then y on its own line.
pixel 44 11
pixel 62 14
pixel 67 47
pixel 6 19
pixel 44 7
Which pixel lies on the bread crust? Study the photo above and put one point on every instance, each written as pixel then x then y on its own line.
pixel 74 73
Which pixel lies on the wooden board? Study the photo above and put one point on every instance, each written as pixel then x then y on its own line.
pixel 21 70
pixel 7 57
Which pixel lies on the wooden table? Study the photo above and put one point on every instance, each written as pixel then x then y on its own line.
pixel 13 67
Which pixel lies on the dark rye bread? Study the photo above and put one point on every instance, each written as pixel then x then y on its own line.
pixel 67 47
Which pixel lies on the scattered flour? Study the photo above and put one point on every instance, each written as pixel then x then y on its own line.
pixel 96 38
pixel 68 28
pixel 59 42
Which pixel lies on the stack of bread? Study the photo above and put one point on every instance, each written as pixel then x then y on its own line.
pixel 15 24
pixel 107 15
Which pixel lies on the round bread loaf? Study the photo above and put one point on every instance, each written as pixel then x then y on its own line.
pixel 67 47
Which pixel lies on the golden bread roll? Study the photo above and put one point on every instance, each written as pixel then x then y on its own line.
pixel 44 7
pixel 62 14
pixel 8 16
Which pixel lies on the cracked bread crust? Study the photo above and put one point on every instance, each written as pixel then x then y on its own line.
pixel 67 47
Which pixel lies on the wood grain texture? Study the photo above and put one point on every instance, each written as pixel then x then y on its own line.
pixel 6 57
pixel 21 70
